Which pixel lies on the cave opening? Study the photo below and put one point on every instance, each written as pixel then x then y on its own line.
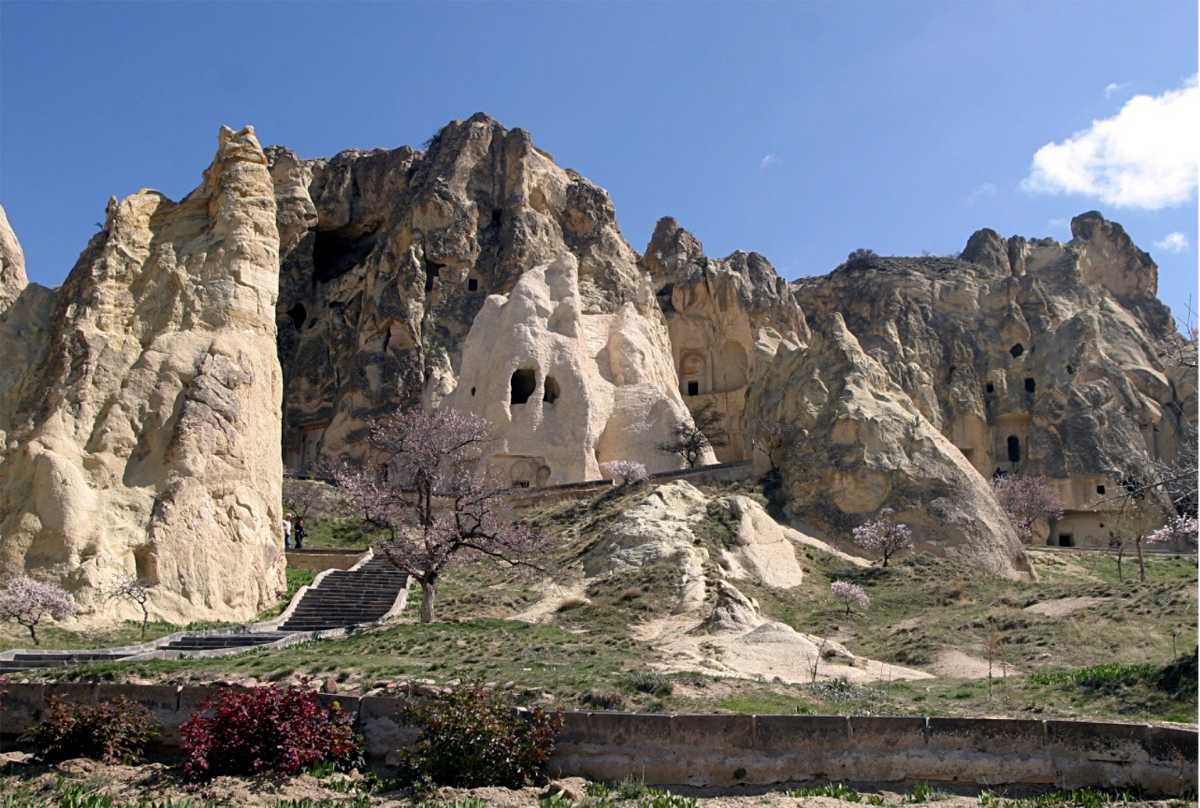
pixel 1016 350
pixel 522 385
pixel 297 314
pixel 551 390
pixel 1014 449
pixel 472 284
pixel 433 271
pixel 336 252
pixel 1030 385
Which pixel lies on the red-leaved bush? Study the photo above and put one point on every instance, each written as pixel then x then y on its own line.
pixel 116 731
pixel 267 729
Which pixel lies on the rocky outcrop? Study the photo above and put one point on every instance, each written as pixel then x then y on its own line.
pixel 12 264
pixel 857 443
pixel 141 432
pixel 726 319
pixel 566 391
pixel 1031 356
pixel 388 256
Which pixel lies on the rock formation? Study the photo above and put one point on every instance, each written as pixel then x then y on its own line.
pixel 726 319
pixel 387 257
pixel 12 264
pixel 141 426
pixel 857 444
pixel 1030 356
pixel 567 391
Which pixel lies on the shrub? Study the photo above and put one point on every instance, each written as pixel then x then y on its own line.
pixel 625 472
pixel 267 729
pixel 471 738
pixel 115 731
pixel 603 700
pixel 649 682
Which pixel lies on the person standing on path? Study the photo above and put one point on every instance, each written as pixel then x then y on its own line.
pixel 298 532
pixel 287 532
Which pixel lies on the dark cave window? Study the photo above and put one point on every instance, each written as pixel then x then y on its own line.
pixel 472 391
pixel 990 388
pixel 1030 385
pixel 520 483
pixel 298 314
pixel 522 384
pixel 693 388
pixel 432 271
pixel 1066 540
pixel 1070 370
pixel 336 252
pixel 472 284
pixel 551 391
pixel 1014 449
pixel 1016 350
pixel 496 214
pixel 950 374
pixel 1100 489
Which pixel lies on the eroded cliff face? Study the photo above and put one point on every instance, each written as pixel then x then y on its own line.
pixel 387 257
pixel 1032 356
pixel 566 391
pixel 857 443
pixel 12 264
pixel 141 425
pixel 726 319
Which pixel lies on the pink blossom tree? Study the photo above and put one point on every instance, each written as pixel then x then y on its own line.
pixel 433 497
pixel 1026 499
pixel 625 472
pixel 850 595
pixel 28 602
pixel 883 536
pixel 1181 528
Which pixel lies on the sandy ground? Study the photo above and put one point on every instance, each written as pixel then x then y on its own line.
pixel 769 652
pixel 554 595
pixel 954 664
pixel 1062 607
pixel 154 781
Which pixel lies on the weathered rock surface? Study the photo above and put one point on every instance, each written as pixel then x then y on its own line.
pixel 1030 356
pixel 858 444
pixel 726 319
pixel 565 391
pixel 12 264
pixel 141 429
pixel 387 257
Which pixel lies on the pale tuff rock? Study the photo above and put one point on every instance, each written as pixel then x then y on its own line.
pixel 656 529
pixel 733 611
pixel 869 447
pixel 726 319
pixel 1031 356
pixel 760 547
pixel 143 437
pixel 388 256
pixel 12 264
pixel 565 391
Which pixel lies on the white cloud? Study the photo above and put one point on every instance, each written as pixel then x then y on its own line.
pixel 1145 156
pixel 767 161
pixel 1116 87
pixel 979 192
pixel 1172 243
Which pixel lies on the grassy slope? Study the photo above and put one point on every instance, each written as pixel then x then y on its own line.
pixel 918 607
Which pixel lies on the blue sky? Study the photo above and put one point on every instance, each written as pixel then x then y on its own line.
pixel 800 130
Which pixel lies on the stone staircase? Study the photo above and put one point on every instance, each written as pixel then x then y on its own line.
pixel 341 599
pixel 348 597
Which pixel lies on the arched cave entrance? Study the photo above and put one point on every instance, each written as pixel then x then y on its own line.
pixel 522 385
pixel 550 391
pixel 1014 449
pixel 1016 350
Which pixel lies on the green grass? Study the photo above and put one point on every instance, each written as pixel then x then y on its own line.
pixel 331 532
pixel 295 580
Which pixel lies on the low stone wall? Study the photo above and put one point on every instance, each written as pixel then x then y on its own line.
pixel 727 750
pixel 321 560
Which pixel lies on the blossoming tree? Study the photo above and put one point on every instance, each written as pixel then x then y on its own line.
pixel 1026 499
pixel 850 594
pixel 883 536
pixel 433 497
pixel 1181 528
pixel 625 472
pixel 28 602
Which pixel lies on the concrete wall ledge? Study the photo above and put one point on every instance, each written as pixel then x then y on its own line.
pixel 723 751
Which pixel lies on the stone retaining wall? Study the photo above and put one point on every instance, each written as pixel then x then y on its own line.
pixel 726 750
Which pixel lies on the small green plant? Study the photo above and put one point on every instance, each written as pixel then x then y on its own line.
pixel 115 731
pixel 838 791
pixel 650 682
pixel 921 792
pixel 597 790
pixel 461 802
pixel 665 799
pixel 555 801
pixel 632 790
pixel 1075 798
